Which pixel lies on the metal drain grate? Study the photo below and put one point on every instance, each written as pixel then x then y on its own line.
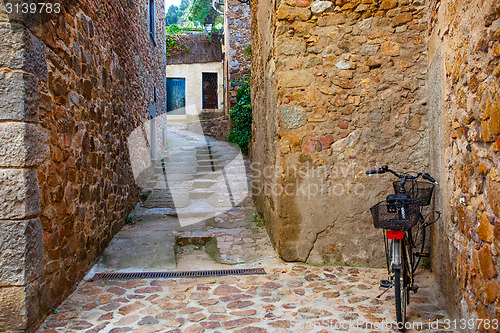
pixel 163 275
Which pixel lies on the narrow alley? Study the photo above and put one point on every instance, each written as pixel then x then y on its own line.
pixel 192 227
pixel 249 166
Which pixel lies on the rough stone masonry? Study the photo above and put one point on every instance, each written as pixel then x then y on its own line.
pixel 338 87
pixel 464 71
pixel 73 86
pixel 342 86
pixel 238 30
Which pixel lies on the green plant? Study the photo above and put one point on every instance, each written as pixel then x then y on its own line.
pixel 173 46
pixel 143 196
pixel 129 219
pixel 191 29
pixel 170 45
pixel 247 51
pixel 241 118
pixel 426 263
pixel 258 219
pixel 173 29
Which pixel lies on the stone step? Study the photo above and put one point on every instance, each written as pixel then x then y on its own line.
pixel 207 175
pixel 203 183
pixel 179 156
pixel 179 171
pixel 209 162
pixel 206 162
pixel 201 209
pixel 200 193
pixel 207 168
pixel 208 156
pixel 134 254
pixel 155 184
pixel 157 176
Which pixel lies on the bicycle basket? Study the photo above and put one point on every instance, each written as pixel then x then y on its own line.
pixel 395 216
pixel 422 191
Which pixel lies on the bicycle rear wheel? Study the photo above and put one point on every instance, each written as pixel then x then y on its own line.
pixel 417 241
pixel 401 299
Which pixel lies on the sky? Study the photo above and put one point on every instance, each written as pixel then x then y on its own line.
pixel 172 2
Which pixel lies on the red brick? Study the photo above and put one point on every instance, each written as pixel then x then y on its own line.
pixel 327 140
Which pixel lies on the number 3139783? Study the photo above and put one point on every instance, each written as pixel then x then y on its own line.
pixel 471 324
pixel 33 8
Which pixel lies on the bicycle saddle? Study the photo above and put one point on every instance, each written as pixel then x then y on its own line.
pixel 398 198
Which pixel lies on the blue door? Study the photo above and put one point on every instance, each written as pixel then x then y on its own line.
pixel 176 96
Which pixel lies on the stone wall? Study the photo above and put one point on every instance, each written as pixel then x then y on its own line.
pixel 238 23
pixel 337 88
pixel 464 54
pixel 217 128
pixel 73 88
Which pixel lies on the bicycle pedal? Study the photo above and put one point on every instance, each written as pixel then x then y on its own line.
pixel 385 283
pixel 422 255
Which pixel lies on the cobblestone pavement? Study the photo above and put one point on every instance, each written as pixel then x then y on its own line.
pixel 289 298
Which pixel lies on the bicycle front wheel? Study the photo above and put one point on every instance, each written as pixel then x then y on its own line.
pixel 400 299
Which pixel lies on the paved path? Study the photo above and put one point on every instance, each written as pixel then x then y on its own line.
pixel 198 194
pixel 289 298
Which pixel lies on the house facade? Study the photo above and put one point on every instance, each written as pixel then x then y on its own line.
pixel 194 76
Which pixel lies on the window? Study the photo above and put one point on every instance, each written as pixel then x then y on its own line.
pixel 152 22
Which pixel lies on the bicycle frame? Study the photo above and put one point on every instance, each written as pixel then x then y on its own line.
pixel 396 254
pixel 396 258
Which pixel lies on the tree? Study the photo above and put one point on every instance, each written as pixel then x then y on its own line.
pixel 172 15
pixel 183 6
pixel 200 10
pixel 192 14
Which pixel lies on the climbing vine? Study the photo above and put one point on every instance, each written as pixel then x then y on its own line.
pixel 174 47
pixel 241 118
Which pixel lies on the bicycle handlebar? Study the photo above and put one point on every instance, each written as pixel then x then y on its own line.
pixel 372 172
pixel 428 177
pixel 404 177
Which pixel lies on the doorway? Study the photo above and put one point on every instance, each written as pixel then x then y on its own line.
pixel 176 96
pixel 209 91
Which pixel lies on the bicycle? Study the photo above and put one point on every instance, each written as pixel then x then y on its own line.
pixel 400 216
